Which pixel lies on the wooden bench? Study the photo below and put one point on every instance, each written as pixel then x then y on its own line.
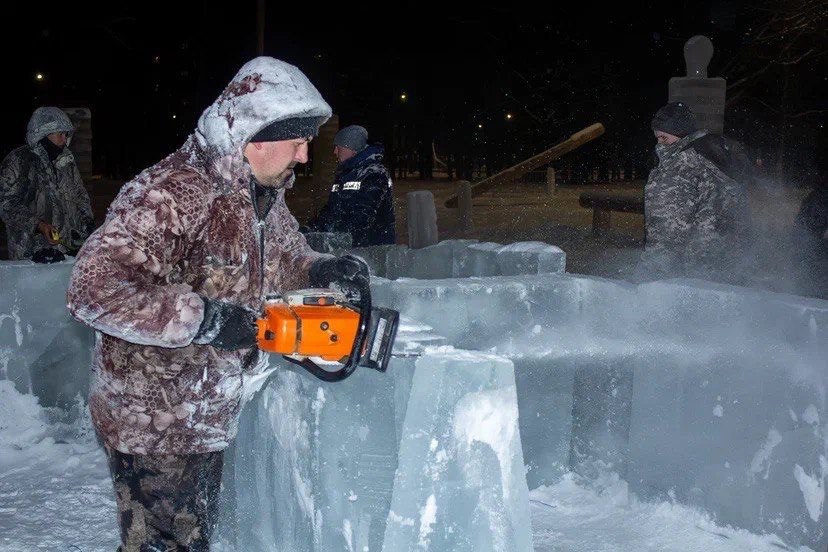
pixel 603 203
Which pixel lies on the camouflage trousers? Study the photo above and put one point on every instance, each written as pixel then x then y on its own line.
pixel 166 503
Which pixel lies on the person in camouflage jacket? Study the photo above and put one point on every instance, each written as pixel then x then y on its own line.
pixel 696 214
pixel 173 281
pixel 42 191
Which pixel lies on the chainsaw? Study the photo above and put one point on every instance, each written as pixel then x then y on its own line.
pixel 330 326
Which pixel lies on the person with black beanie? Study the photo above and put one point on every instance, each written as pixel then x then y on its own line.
pixel 696 210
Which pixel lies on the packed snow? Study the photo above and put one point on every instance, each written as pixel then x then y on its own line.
pixel 55 490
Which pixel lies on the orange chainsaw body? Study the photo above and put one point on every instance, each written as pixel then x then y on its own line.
pixel 308 325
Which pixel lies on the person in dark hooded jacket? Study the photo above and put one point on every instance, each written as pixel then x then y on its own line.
pixel 42 195
pixel 361 201
pixel 696 208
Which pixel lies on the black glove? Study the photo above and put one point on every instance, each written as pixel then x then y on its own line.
pixel 349 273
pixel 47 255
pixel 227 326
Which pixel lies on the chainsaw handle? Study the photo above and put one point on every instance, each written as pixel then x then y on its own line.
pixel 364 305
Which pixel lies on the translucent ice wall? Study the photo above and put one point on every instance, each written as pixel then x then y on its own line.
pixel 42 349
pixel 708 395
pixel 426 456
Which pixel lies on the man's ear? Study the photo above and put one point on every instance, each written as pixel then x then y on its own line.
pixel 254 145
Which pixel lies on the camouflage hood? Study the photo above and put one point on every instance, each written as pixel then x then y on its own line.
pixel 183 230
pixel 45 121
pixel 35 189
pixel 265 90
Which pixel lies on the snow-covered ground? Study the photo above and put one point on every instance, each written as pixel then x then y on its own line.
pixel 55 494
pixel 55 491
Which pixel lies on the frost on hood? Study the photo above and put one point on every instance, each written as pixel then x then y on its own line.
pixel 264 90
pixel 45 121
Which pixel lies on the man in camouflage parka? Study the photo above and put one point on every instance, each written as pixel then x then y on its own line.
pixel 42 191
pixel 696 212
pixel 173 280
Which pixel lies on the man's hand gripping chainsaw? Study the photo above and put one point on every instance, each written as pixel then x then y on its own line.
pixel 334 326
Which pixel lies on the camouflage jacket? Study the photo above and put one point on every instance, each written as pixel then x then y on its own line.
pixel 697 218
pixel 182 229
pixel 34 189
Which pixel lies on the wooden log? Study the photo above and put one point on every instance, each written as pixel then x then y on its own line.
pixel 512 173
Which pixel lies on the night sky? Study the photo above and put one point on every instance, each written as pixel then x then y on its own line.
pixel 148 69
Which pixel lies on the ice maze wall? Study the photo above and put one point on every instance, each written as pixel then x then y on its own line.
pixel 42 349
pixel 708 395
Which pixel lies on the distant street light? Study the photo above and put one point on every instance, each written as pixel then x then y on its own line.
pixel 174 115
pixel 39 76
pixel 403 96
pixel 480 125
pixel 508 115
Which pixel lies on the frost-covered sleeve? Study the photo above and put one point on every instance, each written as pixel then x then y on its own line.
pixel 81 203
pixel 14 209
pixel 116 285
pixel 291 252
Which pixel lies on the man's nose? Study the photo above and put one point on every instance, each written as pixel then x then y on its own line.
pixel 301 154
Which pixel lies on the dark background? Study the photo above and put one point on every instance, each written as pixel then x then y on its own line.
pixel 147 70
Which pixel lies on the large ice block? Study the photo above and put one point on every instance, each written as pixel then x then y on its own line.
pixel 376 256
pixel 530 258
pixel 721 390
pixel 428 263
pixel 313 466
pixel 460 484
pixel 463 259
pixel 736 432
pixel 479 259
pixel 43 350
pixel 470 313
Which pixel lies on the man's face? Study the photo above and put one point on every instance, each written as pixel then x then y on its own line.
pixel 272 162
pixel 343 154
pixel 57 138
pixel 665 138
